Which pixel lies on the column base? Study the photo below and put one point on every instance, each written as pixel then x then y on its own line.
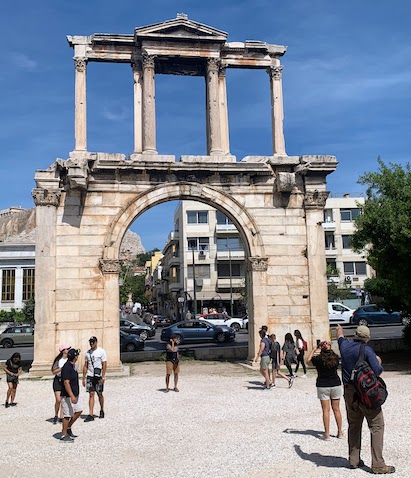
pixel 43 369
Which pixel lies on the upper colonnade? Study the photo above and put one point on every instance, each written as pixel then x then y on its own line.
pixel 180 47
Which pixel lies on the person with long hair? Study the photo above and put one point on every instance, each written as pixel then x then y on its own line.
pixel 13 370
pixel 289 355
pixel 58 363
pixel 299 343
pixel 275 362
pixel 329 389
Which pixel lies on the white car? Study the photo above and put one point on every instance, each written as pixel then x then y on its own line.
pixel 339 313
pixel 216 318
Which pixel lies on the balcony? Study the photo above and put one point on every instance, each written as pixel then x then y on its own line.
pixel 226 255
pixel 226 282
pixel 329 226
pixel 224 228
pixel 330 252
pixel 173 236
pixel 174 260
pixel 174 286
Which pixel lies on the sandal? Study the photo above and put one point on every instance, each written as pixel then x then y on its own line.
pixel 325 438
pixel 176 389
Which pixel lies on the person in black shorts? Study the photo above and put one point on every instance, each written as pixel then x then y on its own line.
pixel 58 363
pixel 13 370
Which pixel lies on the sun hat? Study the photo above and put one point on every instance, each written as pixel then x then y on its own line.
pixel 64 347
pixel 363 332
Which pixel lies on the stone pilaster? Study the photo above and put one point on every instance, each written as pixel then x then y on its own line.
pixel 138 106
pixel 225 136
pixel 213 107
pixel 149 106
pixel 277 110
pixel 80 114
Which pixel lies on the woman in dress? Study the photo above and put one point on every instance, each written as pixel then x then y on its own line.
pixel 329 389
pixel 289 355
pixel 299 342
pixel 58 363
pixel 13 370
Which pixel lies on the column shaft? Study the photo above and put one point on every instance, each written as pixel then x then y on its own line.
pixel 225 133
pixel 138 107
pixel 277 111
pixel 80 113
pixel 149 106
pixel 213 108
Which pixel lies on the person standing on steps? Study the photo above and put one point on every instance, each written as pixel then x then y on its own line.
pixel 94 375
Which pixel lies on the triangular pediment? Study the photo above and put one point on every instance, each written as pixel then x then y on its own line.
pixel 180 28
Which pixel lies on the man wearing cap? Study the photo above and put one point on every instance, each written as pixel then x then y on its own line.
pixel 350 351
pixel 94 371
pixel 70 405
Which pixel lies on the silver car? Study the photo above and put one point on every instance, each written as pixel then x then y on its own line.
pixel 17 335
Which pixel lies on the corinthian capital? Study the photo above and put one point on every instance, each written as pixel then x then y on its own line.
pixel 315 199
pixel 43 197
pixel 136 66
pixel 110 266
pixel 275 72
pixel 148 60
pixel 80 63
pixel 213 64
pixel 222 70
pixel 259 264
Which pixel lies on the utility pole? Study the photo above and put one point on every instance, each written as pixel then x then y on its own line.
pixel 194 286
pixel 231 281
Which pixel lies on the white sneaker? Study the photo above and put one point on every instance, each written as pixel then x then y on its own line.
pixel 304 376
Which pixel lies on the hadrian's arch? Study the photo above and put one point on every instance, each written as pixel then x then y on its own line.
pixel 85 203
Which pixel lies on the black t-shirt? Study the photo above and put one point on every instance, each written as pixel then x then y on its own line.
pixel 327 377
pixel 69 372
pixel 13 367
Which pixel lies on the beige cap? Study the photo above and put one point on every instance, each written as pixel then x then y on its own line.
pixel 363 332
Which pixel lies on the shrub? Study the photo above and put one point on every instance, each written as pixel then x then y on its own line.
pixel 406 335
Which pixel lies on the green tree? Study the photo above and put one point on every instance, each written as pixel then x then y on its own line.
pixel 28 310
pixel 136 285
pixel 142 258
pixel 384 229
pixel 337 294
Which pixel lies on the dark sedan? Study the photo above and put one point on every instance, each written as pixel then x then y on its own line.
pixel 197 331
pixel 373 314
pixel 143 330
pixel 130 342
pixel 161 320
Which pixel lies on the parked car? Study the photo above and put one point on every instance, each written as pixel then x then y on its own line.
pixel 217 318
pixel 339 313
pixel 17 335
pixel 130 342
pixel 245 322
pixel 197 331
pixel 143 330
pixel 373 314
pixel 161 320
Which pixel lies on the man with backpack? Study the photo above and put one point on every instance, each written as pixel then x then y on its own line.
pixel 356 410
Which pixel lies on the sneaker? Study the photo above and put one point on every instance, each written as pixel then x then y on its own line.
pixel 360 465
pixel 55 420
pixel 89 418
pixel 7 405
pixel 383 470
pixel 67 439
pixel 12 404
pixel 290 382
pixel 70 433
pixel 101 414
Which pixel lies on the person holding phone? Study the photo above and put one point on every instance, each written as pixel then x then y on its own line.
pixel 172 363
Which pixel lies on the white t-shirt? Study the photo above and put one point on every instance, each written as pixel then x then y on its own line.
pixel 95 359
pixel 62 361
pixel 300 344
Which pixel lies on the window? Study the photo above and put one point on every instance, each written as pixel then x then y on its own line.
pixel 198 243
pixel 197 217
pixel 350 214
pixel 328 215
pixel 8 285
pixel 28 283
pixel 225 244
pixel 222 218
pixel 223 270
pixel 346 241
pixel 355 268
pixel 329 240
pixel 202 271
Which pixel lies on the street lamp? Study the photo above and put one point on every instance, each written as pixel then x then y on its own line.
pixel 194 285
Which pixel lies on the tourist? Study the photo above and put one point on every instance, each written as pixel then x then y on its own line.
pixel 350 351
pixel 70 391
pixel 58 363
pixel 172 363
pixel 299 342
pixel 329 389
pixel 94 371
pixel 275 362
pixel 13 370
pixel 289 355
pixel 264 354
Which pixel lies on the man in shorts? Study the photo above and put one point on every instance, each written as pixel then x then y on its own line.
pixel 172 363
pixel 70 404
pixel 94 373
pixel 264 353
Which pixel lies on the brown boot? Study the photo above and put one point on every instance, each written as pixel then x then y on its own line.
pixel 383 470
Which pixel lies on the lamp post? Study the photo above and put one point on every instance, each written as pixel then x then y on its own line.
pixel 194 286
pixel 231 281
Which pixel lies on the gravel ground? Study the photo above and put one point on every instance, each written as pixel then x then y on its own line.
pixel 221 424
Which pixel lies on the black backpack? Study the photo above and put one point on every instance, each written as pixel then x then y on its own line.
pixel 370 390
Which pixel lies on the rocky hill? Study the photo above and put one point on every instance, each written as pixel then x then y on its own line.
pixel 18 226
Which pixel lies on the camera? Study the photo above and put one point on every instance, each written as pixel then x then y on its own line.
pixel 97 373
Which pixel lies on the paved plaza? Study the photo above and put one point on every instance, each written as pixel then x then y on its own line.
pixel 221 424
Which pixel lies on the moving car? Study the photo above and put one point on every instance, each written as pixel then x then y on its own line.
pixel 130 342
pixel 197 331
pixel 143 330
pixel 339 313
pixel 373 314
pixel 217 318
pixel 17 335
pixel 161 320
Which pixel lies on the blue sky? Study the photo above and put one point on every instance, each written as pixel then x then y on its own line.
pixel 346 80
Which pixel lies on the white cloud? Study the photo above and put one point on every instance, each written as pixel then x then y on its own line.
pixel 22 61
pixel 115 115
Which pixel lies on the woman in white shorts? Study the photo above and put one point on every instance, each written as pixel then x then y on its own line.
pixel 329 389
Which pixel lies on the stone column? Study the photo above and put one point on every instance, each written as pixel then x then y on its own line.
pixel 317 277
pixel 138 108
pixel 222 91
pixel 45 284
pixel 277 111
pixel 149 106
pixel 213 107
pixel 111 269
pixel 18 288
pixel 257 271
pixel 80 113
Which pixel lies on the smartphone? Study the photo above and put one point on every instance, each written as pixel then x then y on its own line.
pixel 318 342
